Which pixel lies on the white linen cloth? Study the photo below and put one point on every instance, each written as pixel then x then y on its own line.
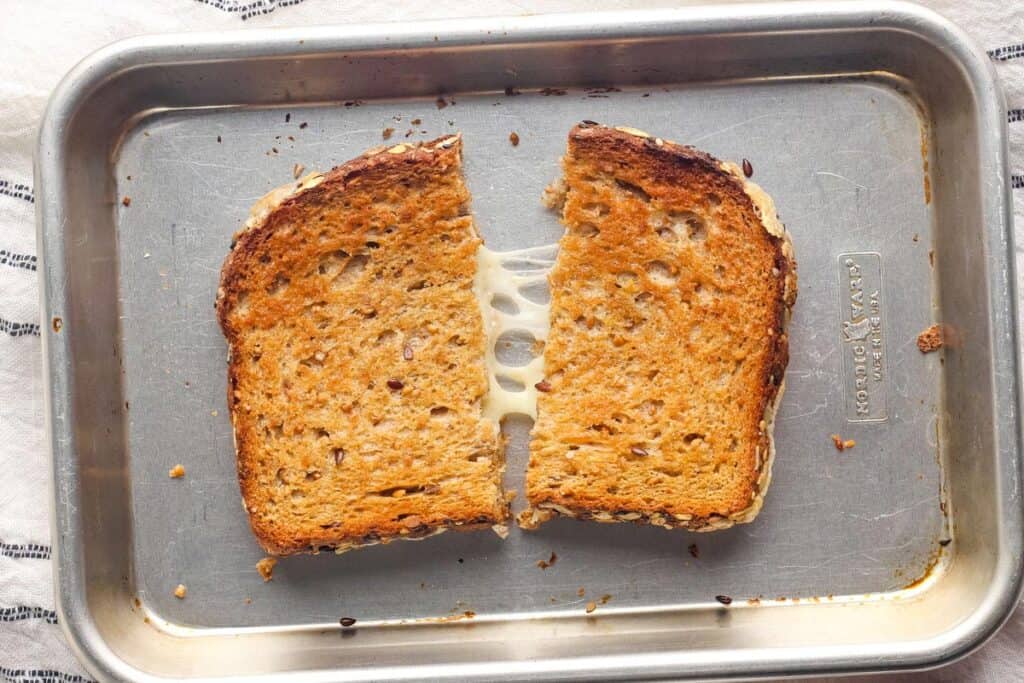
pixel 40 40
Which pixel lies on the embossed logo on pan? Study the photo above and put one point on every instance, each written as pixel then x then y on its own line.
pixel 862 336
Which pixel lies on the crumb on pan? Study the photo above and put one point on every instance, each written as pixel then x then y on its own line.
pixel 441 103
pixel 127 201
pixel 694 550
pixel 581 592
pixel 605 598
pixel 347 622
pixel 513 137
pixel 266 568
pixel 180 591
pixel 931 339
pixel 544 564
pixel 591 606
pixel 841 444
pixel 501 530
pixel 387 133
pixel 297 170
pixel 177 472
pixel 724 599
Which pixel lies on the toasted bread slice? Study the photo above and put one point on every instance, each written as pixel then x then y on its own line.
pixel 356 372
pixel 670 300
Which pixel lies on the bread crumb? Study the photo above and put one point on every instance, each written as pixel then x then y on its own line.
pixel 297 170
pixel 591 606
pixel 214 413
pixel 605 598
pixel 842 445
pixel 416 122
pixel 248 601
pixel 387 133
pixel 180 591
pixel 513 137
pixel 694 550
pixel 441 104
pixel 931 339
pixel 177 472
pixel 510 495
pixel 127 201
pixel 501 530
pixel 549 562
pixel 266 568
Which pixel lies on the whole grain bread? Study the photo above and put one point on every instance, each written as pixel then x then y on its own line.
pixel 670 300
pixel 356 371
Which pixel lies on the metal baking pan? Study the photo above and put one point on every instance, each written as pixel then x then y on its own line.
pixel 878 130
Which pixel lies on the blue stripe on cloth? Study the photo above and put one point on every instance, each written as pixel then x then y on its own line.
pixel 40 676
pixel 26 261
pixel 34 551
pixel 248 10
pixel 24 612
pixel 19 329
pixel 1007 52
pixel 16 190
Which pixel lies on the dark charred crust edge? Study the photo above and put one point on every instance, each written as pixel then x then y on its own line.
pixel 674 159
pixel 418 533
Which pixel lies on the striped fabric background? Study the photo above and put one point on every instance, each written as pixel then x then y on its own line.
pixel 42 39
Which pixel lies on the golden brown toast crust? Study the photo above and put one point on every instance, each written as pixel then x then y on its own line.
pixel 356 371
pixel 670 301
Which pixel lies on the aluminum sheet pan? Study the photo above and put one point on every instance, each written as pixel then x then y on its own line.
pixel 876 128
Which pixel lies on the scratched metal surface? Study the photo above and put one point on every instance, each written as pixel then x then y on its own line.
pixel 841 158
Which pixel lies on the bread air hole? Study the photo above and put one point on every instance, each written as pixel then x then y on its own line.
pixel 634 190
pixel 242 303
pixel 660 272
pixel 690 438
pixel 278 284
pixel 332 263
pixel 350 272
